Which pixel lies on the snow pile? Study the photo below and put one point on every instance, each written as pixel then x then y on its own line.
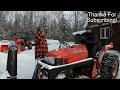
pixel 78 32
pixel 25 62
pixel 49 41
pixel 53 47
pixel 52 41
pixel 4 42
pixel 4 75
pixel 71 43
pixel 3 64
pixel 56 46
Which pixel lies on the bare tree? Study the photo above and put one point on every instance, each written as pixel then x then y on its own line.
pixel 54 29
pixel 25 22
pixel 63 29
pixel 18 22
pixel 80 19
pixel 3 31
pixel 57 14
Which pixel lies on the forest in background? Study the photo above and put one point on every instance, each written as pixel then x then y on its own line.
pixel 59 24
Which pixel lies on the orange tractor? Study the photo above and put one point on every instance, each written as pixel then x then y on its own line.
pixel 72 62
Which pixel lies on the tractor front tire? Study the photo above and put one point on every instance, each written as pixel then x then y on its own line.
pixel 109 67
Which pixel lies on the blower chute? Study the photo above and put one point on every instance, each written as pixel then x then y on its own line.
pixel 12 62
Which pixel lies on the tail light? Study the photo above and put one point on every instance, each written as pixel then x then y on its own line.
pixel 50 60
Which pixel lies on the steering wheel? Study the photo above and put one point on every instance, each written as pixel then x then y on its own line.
pixel 64 45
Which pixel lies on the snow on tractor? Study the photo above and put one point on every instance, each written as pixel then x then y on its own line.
pixel 72 62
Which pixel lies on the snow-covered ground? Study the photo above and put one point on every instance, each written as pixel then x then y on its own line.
pixel 26 61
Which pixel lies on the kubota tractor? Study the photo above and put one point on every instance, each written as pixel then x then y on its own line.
pixel 72 62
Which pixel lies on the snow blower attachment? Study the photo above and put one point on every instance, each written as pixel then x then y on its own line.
pixel 66 71
pixel 20 45
pixel 70 62
pixel 12 62
pixel 23 39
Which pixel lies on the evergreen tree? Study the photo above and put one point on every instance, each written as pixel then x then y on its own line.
pixel 25 22
pixel 30 26
pixel 43 24
pixel 17 23
pixel 54 29
pixel 30 23
pixel 63 29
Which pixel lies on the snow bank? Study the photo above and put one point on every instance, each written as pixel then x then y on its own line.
pixel 4 42
pixel 53 47
pixel 3 64
pixel 56 46
pixel 4 75
pixel 78 32
pixel 71 43
pixel 50 41
pixel 25 62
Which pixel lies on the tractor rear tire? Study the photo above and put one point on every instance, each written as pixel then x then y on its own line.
pixel 109 67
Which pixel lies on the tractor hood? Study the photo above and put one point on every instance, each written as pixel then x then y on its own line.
pixel 74 50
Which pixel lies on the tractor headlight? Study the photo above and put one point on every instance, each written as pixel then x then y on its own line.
pixel 50 60
pixel 54 61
